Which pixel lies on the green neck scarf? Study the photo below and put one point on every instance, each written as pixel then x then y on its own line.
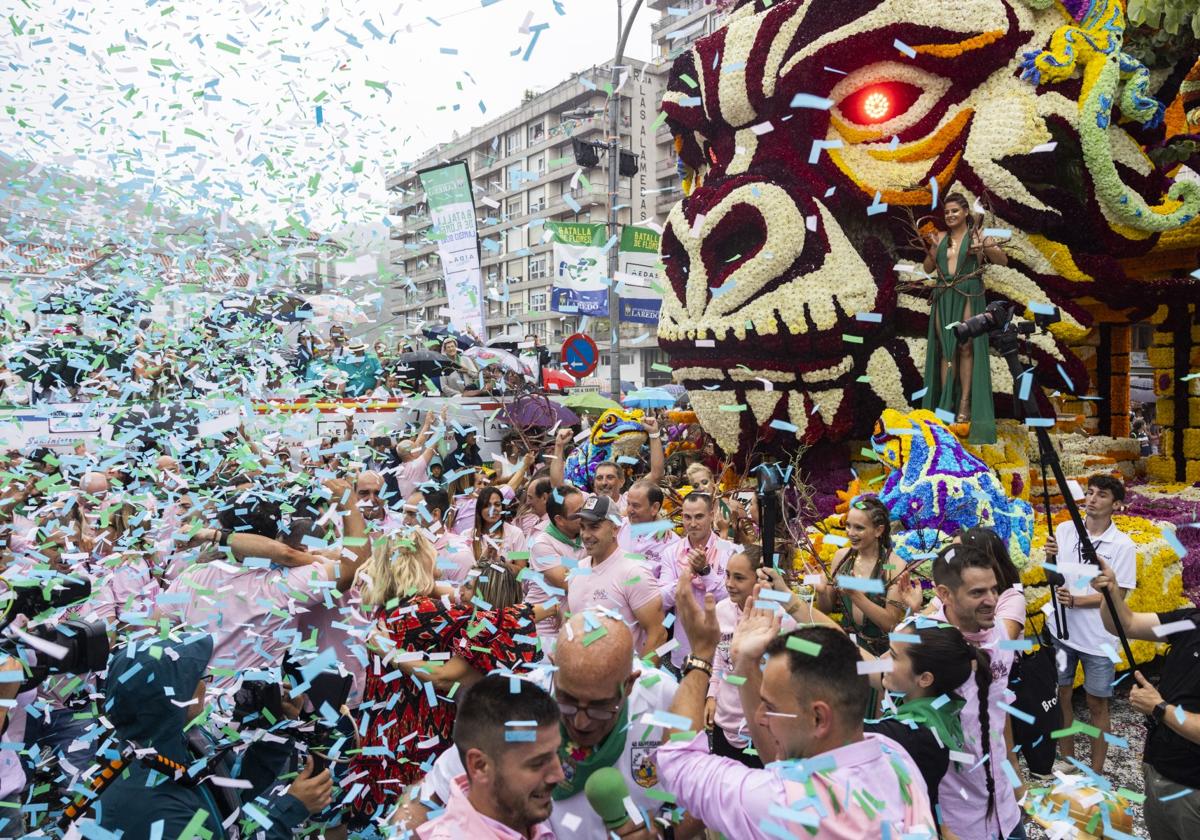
pixel 579 767
pixel 945 720
pixel 563 538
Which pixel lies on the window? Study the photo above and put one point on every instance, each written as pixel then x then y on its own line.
pixel 537 269
pixel 513 208
pixel 537 200
pixel 537 164
pixel 538 328
pixel 495 332
pixel 535 133
pixel 515 308
pixel 495 308
pixel 537 302
pixel 512 142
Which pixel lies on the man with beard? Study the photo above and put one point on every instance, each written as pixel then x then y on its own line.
pixel 965 579
pixel 504 791
pixel 602 691
pixel 369 498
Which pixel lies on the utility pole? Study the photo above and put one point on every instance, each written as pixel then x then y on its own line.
pixel 614 164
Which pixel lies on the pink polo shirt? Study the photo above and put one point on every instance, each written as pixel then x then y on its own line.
pixel 531 524
pixel 652 545
pixel 962 795
pixel 412 473
pixel 548 552
pixel 729 714
pixel 739 801
pixel 619 584
pixel 718 552
pixel 250 612
pixel 461 820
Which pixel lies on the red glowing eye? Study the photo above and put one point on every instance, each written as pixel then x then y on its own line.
pixel 879 103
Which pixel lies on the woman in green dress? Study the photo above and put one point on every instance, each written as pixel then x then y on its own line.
pixel 955 373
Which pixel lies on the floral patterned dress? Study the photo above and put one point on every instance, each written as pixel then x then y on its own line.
pixel 409 725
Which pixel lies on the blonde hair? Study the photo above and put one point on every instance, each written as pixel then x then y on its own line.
pixel 697 469
pixel 401 566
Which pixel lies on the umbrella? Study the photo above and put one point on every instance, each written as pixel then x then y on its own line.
pixel 673 388
pixel 592 403
pixel 440 334
pixel 538 412
pixel 336 308
pixel 557 380
pixel 418 364
pixel 484 356
pixel 90 296
pixel 280 306
pixel 649 398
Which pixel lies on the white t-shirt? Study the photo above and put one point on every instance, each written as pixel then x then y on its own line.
pixel 574 818
pixel 1085 629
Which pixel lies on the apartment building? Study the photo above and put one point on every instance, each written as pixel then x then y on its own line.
pixel 524 173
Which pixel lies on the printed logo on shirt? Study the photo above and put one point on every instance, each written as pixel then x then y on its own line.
pixel 641 763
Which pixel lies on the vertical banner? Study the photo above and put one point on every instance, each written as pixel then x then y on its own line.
pixel 580 269
pixel 638 277
pixel 452 211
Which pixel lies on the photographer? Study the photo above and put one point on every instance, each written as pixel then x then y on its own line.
pixel 159 792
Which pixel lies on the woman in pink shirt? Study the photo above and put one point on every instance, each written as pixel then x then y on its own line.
pixel 492 539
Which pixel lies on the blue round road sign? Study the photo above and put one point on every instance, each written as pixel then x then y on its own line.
pixel 580 355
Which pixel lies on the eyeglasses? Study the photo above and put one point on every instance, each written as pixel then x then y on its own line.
pixel 600 712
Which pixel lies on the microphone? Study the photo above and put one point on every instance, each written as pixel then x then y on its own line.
pixel 606 791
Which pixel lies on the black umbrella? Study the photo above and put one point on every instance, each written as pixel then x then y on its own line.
pixel 442 333
pixel 419 364
pixel 90 296
pixel 275 305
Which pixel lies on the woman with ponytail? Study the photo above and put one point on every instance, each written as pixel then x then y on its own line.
pixel 957 377
pixel 925 681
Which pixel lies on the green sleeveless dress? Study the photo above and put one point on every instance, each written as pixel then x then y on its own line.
pixel 956 297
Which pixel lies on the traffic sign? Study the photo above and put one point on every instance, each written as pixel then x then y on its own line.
pixel 580 355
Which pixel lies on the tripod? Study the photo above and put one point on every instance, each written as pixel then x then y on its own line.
pixel 1006 342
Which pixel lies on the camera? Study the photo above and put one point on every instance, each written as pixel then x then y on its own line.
pixel 995 320
pixel 64 647
pixel 258 704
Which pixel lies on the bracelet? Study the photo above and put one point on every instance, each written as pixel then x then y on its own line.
pixel 223 541
pixel 655 436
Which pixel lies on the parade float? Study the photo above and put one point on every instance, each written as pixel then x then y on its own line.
pixel 817 139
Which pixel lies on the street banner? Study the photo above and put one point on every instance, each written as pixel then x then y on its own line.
pixel 452 211
pixel 580 269
pixel 638 277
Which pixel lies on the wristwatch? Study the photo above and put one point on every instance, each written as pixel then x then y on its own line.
pixel 1159 712
pixel 695 663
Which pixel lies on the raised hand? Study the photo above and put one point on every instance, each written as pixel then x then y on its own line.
pixel 754 633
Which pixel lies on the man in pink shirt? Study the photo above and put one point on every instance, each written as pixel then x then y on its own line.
pixel 971 805
pixel 831 781
pixel 644 533
pixel 553 554
pixel 254 612
pixel 507 733
pixel 535 518
pixel 703 553
pixel 369 498
pixel 609 578
pixel 609 477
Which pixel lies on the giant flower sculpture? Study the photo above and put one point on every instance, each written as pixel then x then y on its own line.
pixel 806 129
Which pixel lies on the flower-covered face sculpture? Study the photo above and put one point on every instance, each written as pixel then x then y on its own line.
pixel 806 126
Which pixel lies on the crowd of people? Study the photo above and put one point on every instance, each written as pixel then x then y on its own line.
pixel 88 360
pixel 388 636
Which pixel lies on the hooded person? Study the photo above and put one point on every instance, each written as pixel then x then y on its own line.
pixel 158 793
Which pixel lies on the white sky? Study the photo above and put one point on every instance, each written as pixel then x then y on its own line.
pixel 194 97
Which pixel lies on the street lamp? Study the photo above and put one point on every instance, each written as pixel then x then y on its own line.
pixel 620 162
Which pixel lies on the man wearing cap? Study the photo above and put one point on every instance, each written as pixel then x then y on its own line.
pixel 414 457
pixel 361 367
pixel 611 579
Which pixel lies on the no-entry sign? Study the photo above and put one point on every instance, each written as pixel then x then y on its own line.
pixel 580 355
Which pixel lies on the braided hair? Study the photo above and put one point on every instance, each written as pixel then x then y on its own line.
pixel 879 515
pixel 946 653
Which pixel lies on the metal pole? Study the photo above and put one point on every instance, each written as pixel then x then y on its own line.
pixel 614 161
